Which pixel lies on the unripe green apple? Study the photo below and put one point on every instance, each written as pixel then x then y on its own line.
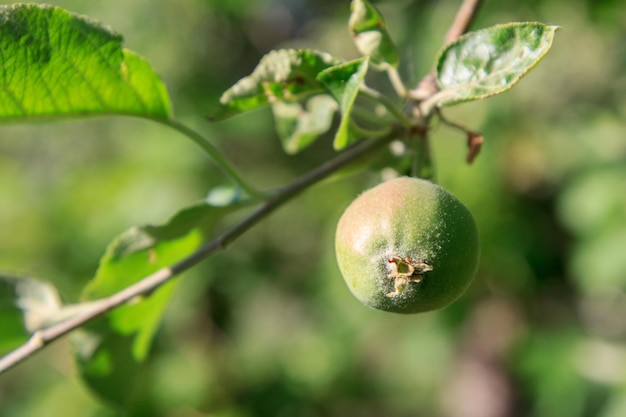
pixel 407 246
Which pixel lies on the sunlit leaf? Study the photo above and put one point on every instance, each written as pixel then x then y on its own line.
pixel 282 75
pixel 344 82
pixel 370 34
pixel 111 352
pixel 58 65
pixel 299 126
pixel 490 61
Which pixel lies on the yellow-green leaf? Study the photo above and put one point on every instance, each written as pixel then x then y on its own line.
pixel 55 64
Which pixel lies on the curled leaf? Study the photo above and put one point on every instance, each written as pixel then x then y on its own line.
pixel 282 75
pixel 344 82
pixel 299 126
pixel 371 38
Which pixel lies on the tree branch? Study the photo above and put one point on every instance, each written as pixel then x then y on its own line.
pixel 42 338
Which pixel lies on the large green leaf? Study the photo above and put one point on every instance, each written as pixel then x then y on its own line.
pixel 490 61
pixel 370 35
pixel 57 65
pixel 344 82
pixel 110 353
pixel 282 75
pixel 298 126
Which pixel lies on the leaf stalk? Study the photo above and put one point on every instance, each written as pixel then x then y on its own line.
pixel 217 157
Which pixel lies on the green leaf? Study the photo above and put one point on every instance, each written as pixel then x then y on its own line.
pixel 344 82
pixel 490 61
pixel 298 127
pixel 110 353
pixel 283 75
pixel 59 65
pixel 371 38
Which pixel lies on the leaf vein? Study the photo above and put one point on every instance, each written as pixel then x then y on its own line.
pixel 7 89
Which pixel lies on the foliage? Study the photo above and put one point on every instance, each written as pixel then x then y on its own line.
pixel 60 65
pixel 267 327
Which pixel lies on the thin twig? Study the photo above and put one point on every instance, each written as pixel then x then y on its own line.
pixel 215 154
pixel 450 123
pixel 474 139
pixel 396 81
pixel 427 87
pixel 370 132
pixel 463 20
pixel 42 338
pixel 422 159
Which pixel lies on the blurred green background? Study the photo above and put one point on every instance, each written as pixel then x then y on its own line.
pixel 268 328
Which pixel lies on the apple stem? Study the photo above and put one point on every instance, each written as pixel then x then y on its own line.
pixel 423 166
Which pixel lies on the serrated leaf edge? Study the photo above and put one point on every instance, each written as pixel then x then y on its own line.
pixel 439 99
